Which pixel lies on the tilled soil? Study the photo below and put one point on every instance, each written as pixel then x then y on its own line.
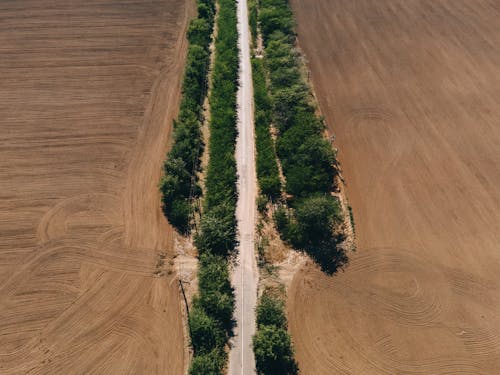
pixel 87 95
pixel 411 90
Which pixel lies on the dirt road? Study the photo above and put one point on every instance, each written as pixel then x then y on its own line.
pixel 245 274
pixel 89 89
pixel 411 90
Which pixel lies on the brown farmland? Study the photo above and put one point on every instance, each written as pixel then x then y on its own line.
pixel 88 91
pixel 411 88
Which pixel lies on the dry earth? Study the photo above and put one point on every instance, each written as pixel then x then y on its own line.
pixel 412 91
pixel 88 91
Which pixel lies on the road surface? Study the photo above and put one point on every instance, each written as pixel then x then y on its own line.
pixel 245 274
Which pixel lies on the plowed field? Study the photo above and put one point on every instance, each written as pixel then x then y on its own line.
pixel 88 90
pixel 411 89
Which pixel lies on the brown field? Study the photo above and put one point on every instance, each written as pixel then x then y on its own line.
pixel 88 91
pixel 411 88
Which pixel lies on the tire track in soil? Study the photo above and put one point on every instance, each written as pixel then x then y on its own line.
pixel 89 94
pixel 409 88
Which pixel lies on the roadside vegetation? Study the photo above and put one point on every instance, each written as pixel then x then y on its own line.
pixel 267 167
pixel 179 185
pixel 310 219
pixel 253 8
pixel 210 319
pixel 272 344
pixel 305 211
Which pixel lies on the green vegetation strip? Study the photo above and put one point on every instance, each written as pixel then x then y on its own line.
pixel 311 219
pixel 267 167
pixel 253 9
pixel 210 318
pixel 272 344
pixel 179 186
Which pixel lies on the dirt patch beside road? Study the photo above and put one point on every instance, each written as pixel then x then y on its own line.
pixel 410 89
pixel 89 90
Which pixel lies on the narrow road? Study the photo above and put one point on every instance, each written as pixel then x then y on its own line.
pixel 245 275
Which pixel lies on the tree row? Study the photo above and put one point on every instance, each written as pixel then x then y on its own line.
pixel 311 218
pixel 179 185
pixel 210 318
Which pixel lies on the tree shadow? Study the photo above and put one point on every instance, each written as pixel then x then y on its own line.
pixel 328 255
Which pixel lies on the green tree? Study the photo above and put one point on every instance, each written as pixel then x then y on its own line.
pixel 199 32
pixel 205 332
pixel 216 294
pixel 286 101
pixel 270 311
pixel 316 217
pixel 273 351
pixel 311 168
pixel 208 364
pixel 206 11
pixel 217 233
pixel 273 18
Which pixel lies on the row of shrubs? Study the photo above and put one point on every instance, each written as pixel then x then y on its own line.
pixel 211 315
pixel 272 343
pixel 252 19
pixel 179 185
pixel 217 232
pixel 267 167
pixel 210 318
pixel 307 158
pixel 311 218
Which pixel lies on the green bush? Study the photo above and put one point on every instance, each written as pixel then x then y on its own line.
pixel 286 104
pixel 267 167
pixel 205 331
pixel 270 311
pixel 281 218
pixel 309 168
pixel 286 223
pixel 310 227
pixel 317 217
pixel 206 9
pixel 216 296
pixel 179 214
pixel 272 344
pixel 218 305
pixel 275 15
pixel 252 19
pixel 194 87
pixel 214 274
pixel 208 364
pixel 311 223
pixel 199 32
pixel 262 204
pixel 273 351
pixel 217 233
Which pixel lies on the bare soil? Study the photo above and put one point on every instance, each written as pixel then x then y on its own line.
pixel 411 90
pixel 88 92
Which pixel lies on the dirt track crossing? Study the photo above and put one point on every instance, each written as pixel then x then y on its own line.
pixel 411 90
pixel 89 90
